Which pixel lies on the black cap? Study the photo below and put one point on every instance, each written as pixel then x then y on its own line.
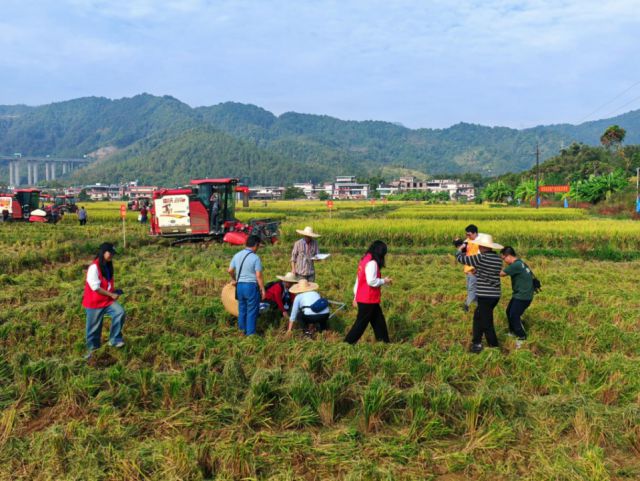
pixel 107 247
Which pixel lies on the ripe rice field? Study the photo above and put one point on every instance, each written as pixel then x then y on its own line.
pixel 188 398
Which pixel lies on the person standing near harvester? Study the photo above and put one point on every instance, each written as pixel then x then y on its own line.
pixel 303 254
pixel 245 270
pixel 488 265
pixel 82 216
pixel 100 299
pixel 367 294
pixel 523 290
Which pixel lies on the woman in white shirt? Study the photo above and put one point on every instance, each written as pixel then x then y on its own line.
pixel 366 294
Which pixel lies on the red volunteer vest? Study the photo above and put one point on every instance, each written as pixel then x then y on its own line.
pixel 366 294
pixel 93 300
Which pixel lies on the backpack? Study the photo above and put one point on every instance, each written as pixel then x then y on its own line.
pixel 537 285
pixel 319 305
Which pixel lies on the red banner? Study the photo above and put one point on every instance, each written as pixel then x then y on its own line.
pixel 554 189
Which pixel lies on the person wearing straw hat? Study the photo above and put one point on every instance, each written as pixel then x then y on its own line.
pixel 279 295
pixel 488 265
pixel 308 307
pixel 303 253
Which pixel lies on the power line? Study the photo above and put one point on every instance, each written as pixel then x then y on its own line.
pixel 609 102
pixel 622 106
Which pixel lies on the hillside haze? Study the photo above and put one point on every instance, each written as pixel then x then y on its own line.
pixel 164 141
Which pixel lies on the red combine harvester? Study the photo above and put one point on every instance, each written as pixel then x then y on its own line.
pixel 24 205
pixel 205 211
pixel 66 204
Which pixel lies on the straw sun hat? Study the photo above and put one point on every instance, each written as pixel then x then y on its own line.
pixel 307 232
pixel 288 277
pixel 486 240
pixel 303 285
pixel 229 301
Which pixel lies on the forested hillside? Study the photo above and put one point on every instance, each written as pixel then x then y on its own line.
pixel 162 140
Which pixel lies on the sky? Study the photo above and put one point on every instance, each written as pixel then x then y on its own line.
pixel 429 63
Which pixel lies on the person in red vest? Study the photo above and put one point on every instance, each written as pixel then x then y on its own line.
pixel 367 294
pixel 278 295
pixel 100 298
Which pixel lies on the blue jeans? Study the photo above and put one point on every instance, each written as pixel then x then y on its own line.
pixel 94 324
pixel 248 306
pixel 471 289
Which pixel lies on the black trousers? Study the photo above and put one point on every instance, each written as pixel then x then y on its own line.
pixel 319 319
pixel 515 309
pixel 483 321
pixel 368 314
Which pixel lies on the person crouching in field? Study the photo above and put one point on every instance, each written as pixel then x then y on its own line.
pixel 367 293
pixel 523 290
pixel 100 299
pixel 278 293
pixel 488 265
pixel 309 308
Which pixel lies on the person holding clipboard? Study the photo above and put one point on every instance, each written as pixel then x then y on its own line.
pixel 304 253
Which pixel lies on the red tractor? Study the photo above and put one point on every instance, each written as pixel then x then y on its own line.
pixel 205 211
pixel 24 204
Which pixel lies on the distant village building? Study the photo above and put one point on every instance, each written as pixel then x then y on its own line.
pixel 455 188
pixel 346 187
pixel 103 192
pixel 266 193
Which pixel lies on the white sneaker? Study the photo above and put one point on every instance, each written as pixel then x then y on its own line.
pixel 118 344
pixel 520 343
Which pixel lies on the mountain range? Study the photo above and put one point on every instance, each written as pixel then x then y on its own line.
pixel 162 140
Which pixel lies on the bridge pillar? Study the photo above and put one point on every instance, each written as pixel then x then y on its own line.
pixel 47 171
pixel 10 173
pixel 16 173
pixel 64 168
pixel 29 174
pixel 53 171
pixel 35 173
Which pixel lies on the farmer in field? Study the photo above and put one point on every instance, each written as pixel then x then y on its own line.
pixel 367 294
pixel 82 216
pixel 100 299
pixel 523 290
pixel 303 253
pixel 488 266
pixel 471 232
pixel 279 295
pixel 309 308
pixel 143 213
pixel 245 270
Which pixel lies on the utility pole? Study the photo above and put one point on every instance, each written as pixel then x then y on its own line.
pixel 537 175
pixel 638 190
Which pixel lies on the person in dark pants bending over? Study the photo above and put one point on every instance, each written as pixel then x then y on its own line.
pixel 522 286
pixel 367 294
pixel 488 265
